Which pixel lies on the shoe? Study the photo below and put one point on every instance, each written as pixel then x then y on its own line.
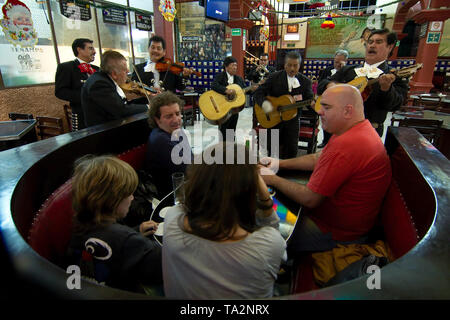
pixel 322 145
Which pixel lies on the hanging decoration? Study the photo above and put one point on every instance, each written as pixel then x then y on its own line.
pixel 167 9
pixel 316 3
pixel 328 23
pixel 264 33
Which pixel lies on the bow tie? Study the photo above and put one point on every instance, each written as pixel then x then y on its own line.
pixel 86 68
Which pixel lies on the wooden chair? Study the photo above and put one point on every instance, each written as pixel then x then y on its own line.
pixel 20 116
pixel 429 128
pixel 428 104
pixel 309 122
pixel 68 113
pixel 49 127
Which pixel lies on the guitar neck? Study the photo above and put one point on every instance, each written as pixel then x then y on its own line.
pixel 405 72
pixel 296 105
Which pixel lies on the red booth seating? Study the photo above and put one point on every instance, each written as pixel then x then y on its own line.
pixel 52 226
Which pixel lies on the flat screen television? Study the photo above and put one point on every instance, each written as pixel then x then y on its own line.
pixel 217 9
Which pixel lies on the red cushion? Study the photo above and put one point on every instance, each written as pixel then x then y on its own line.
pixel 398 225
pixel 303 277
pixel 307 132
pixel 135 157
pixel 52 227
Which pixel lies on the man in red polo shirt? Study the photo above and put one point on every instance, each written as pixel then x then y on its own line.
pixel 349 180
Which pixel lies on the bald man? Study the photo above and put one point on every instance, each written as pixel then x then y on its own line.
pixel 349 180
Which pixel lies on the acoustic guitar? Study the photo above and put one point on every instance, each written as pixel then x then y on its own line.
pixel 364 85
pixel 217 108
pixel 284 109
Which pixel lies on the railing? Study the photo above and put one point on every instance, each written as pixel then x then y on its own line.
pixel 30 173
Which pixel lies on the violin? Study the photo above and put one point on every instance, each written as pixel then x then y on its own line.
pixel 136 88
pixel 176 68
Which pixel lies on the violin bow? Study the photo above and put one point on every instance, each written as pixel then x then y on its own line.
pixel 140 81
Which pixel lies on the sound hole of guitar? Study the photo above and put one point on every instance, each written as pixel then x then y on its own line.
pixel 231 97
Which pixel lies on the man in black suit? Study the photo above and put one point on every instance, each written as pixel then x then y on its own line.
pixel 220 83
pixel 257 75
pixel 340 60
pixel 389 93
pixel 287 81
pixel 262 70
pixel 71 75
pixel 102 99
pixel 151 76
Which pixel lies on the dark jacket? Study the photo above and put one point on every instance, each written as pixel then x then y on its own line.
pixel 68 83
pixel 379 103
pixel 255 76
pixel 159 161
pixel 101 103
pixel 325 73
pixel 172 82
pixel 277 85
pixel 220 82
pixel 123 258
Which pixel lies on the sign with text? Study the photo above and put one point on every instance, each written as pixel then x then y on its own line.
pixel 236 32
pixel 75 11
pixel 114 15
pixel 143 22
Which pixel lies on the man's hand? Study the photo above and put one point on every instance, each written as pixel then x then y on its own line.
pixel 268 168
pixel 267 106
pixel 385 81
pixel 187 72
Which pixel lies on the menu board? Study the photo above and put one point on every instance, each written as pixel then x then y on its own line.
pixel 143 22
pixel 114 15
pixel 76 11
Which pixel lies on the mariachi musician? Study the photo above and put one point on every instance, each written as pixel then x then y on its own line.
pixel 71 75
pixel 260 71
pixel 257 74
pixel 286 82
pixel 220 83
pixel 161 79
pixel 386 95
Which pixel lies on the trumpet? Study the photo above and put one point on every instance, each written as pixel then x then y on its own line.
pixel 262 70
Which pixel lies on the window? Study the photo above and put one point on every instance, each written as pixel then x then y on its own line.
pixel 115 35
pixel 140 38
pixel 72 22
pixel 27 50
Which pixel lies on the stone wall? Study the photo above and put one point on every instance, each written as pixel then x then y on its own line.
pixel 37 100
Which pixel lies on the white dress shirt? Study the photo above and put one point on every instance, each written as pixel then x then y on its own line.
pixel 151 67
pixel 292 83
pixel 369 71
pixel 230 78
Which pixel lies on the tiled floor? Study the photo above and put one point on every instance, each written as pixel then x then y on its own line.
pixel 203 133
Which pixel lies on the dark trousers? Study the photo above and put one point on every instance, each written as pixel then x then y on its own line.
pixel 231 123
pixel 288 138
pixel 307 237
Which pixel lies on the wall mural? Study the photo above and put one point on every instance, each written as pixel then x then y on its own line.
pixel 348 34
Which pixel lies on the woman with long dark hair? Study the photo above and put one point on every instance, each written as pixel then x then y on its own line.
pixel 223 241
